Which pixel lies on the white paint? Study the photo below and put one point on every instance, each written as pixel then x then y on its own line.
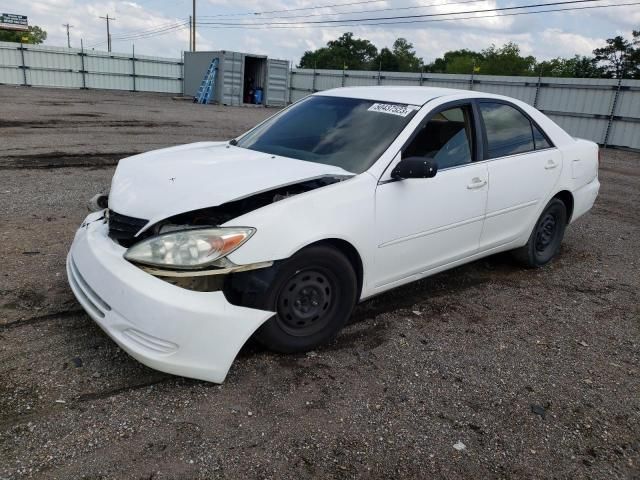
pixel 402 230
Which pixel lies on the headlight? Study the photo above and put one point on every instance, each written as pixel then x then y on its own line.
pixel 189 248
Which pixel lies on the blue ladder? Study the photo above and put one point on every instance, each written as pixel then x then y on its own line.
pixel 207 87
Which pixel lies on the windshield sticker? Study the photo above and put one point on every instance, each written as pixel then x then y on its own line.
pixel 392 109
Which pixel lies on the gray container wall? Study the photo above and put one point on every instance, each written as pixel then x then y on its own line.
pixel 42 66
pixel 583 107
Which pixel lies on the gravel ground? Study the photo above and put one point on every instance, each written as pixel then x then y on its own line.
pixel 536 373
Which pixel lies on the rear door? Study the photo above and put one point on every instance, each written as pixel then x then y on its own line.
pixel 524 167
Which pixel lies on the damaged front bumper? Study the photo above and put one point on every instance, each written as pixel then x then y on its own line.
pixel 168 328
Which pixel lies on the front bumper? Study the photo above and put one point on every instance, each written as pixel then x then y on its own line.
pixel 168 328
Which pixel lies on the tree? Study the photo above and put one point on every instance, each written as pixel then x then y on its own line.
pixel 345 52
pixel 406 57
pixel 617 56
pixel 506 60
pixel 576 67
pixel 456 61
pixel 35 35
pixel 635 55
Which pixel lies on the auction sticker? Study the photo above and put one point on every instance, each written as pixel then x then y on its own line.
pixel 393 109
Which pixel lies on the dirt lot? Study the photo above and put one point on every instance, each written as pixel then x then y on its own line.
pixel 536 372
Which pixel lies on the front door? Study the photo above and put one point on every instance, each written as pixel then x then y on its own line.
pixel 426 223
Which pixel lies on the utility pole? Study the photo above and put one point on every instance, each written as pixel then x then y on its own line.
pixel 68 38
pixel 107 18
pixel 194 26
pixel 190 33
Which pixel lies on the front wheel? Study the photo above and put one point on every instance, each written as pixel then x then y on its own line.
pixel 313 295
pixel 544 242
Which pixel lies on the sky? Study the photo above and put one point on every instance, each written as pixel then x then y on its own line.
pixel 544 35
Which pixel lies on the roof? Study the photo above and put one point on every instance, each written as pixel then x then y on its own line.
pixel 394 94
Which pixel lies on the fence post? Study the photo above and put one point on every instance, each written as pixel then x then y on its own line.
pixel 343 74
pixel 473 72
pixel 313 82
pixel 614 104
pixel 82 69
pixel 24 66
pixel 290 81
pixel 133 65
pixel 421 75
pixel 379 69
pixel 535 99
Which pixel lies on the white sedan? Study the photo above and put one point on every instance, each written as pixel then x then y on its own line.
pixel 343 195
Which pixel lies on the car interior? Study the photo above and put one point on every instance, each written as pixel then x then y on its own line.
pixel 445 138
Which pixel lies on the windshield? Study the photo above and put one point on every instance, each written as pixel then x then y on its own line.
pixel 345 132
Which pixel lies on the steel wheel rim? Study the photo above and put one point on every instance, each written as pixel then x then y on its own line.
pixel 546 232
pixel 306 301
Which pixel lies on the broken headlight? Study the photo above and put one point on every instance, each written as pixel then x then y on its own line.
pixel 186 249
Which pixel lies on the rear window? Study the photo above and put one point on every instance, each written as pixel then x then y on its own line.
pixel 508 130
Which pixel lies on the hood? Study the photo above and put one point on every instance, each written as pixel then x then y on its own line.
pixel 162 183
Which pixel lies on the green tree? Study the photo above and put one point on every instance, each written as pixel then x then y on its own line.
pixel 345 52
pixel 406 56
pixel 34 35
pixel 456 61
pixel 634 58
pixel 576 67
pixel 402 58
pixel 387 61
pixel 617 56
pixel 506 60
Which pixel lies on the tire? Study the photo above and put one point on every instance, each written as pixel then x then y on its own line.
pixel 545 240
pixel 313 293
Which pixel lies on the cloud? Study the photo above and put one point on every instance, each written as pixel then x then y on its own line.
pixel 544 35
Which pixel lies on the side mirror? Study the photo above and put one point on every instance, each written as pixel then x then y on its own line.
pixel 415 167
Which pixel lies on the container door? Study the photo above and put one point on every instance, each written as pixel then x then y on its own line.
pixel 277 82
pixel 233 73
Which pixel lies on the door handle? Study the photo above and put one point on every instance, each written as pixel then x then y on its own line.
pixel 476 183
pixel 550 165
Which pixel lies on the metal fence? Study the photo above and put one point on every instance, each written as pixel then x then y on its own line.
pixel 606 111
pixel 603 110
pixel 40 66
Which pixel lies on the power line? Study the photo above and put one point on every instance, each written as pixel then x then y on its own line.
pixel 364 11
pixel 298 9
pixel 153 33
pixel 140 36
pixel 474 17
pixel 150 28
pixel 403 17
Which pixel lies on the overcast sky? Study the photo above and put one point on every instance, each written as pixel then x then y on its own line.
pixel 544 35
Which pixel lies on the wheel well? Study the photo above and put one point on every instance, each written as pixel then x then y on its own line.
pixel 567 198
pixel 352 255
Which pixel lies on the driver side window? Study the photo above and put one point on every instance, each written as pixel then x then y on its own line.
pixel 446 138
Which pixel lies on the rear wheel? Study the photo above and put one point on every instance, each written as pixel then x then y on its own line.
pixel 313 295
pixel 546 238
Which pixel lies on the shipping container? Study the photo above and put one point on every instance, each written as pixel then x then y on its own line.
pixel 242 78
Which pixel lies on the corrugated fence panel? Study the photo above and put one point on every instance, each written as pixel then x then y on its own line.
pixel 53 78
pixel 579 105
pixel 522 88
pixel 10 76
pixel 73 68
